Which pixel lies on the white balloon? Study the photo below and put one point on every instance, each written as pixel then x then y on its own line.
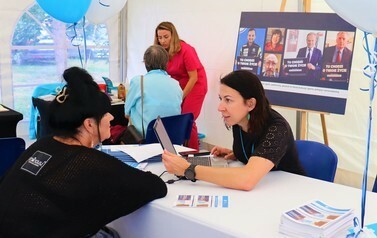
pixel 360 13
pixel 101 10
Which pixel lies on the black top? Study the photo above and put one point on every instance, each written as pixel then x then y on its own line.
pixel 252 50
pixel 276 144
pixel 59 190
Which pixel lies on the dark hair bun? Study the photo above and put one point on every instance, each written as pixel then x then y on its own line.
pixel 82 99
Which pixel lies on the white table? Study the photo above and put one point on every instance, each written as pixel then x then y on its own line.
pixel 251 214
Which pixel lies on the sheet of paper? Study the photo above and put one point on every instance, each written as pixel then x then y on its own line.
pixel 3 109
pixel 140 166
pixel 143 152
pixel 48 97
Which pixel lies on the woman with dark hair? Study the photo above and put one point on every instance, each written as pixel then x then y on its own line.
pixel 62 186
pixel 184 65
pixel 262 138
pixel 274 45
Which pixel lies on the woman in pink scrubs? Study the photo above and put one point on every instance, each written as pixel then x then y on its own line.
pixel 184 65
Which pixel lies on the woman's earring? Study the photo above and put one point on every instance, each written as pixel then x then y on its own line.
pixel 248 116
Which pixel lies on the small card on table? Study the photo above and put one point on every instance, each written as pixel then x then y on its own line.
pixel 202 201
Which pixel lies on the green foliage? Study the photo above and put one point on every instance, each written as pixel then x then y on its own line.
pixel 26 32
pixel 36 24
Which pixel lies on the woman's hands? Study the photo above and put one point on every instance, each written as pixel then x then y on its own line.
pixel 223 152
pixel 193 77
pixel 174 164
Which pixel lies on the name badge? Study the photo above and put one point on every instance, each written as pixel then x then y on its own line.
pixel 36 162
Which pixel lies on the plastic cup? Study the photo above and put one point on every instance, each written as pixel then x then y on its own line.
pixel 102 87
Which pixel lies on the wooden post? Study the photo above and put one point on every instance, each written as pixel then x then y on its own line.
pixel 324 129
pixel 282 5
pixel 303 125
pixel 307 5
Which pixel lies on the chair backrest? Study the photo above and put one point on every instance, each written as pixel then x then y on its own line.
pixel 375 185
pixel 178 127
pixel 43 128
pixel 41 90
pixel 109 84
pixel 318 160
pixel 10 149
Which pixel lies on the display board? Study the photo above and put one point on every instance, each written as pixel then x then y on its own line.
pixel 303 59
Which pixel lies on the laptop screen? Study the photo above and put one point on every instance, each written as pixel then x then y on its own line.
pixel 162 136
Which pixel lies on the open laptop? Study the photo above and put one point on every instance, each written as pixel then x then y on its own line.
pixel 163 138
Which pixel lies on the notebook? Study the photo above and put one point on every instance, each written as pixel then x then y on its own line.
pixel 163 138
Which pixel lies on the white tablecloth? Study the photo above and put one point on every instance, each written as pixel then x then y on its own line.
pixel 250 214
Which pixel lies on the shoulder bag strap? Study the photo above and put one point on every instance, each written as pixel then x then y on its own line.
pixel 142 103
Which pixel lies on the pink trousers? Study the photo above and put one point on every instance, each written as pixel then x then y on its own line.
pixel 193 103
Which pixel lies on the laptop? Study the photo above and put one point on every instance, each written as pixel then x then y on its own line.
pixel 164 139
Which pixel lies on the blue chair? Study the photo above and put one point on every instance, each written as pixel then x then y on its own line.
pixel 375 186
pixel 109 85
pixel 318 160
pixel 43 127
pixel 178 127
pixel 10 149
pixel 41 90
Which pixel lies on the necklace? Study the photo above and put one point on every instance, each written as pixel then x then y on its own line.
pixel 77 140
pixel 68 141
pixel 243 147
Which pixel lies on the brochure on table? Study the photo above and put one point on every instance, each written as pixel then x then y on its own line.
pixel 316 219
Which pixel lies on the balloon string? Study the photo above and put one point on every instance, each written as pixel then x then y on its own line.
pixel 369 71
pixel 74 37
pixel 72 40
pixel 85 48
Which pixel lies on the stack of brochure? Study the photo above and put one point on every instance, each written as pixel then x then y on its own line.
pixel 316 219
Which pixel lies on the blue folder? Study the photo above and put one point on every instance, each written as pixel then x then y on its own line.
pixel 125 158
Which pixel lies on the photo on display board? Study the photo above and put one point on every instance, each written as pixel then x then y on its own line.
pixel 300 65
pixel 337 56
pixel 250 49
pixel 271 65
pixel 303 54
pixel 274 40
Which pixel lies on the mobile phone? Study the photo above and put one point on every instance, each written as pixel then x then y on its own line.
pixel 193 153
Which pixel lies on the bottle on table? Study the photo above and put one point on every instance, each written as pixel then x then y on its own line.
pixel 122 92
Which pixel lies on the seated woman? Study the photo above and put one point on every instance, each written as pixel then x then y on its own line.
pixel 162 95
pixel 262 138
pixel 63 187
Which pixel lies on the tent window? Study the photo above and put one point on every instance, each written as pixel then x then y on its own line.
pixel 42 49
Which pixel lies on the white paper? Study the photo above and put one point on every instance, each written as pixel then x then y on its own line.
pixel 48 97
pixel 143 152
pixel 3 109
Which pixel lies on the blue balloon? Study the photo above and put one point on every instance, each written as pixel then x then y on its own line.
pixel 68 11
